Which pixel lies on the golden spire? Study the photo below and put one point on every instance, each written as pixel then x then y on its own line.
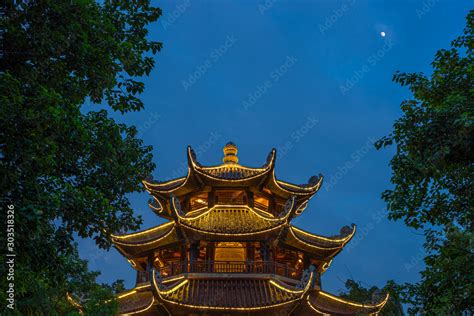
pixel 230 153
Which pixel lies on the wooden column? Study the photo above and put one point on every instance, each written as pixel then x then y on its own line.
pixel 250 199
pixel 271 205
pixel 211 198
pixel 210 252
pixel 250 256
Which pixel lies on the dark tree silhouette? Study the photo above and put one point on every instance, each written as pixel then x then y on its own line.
pixel 433 176
pixel 66 170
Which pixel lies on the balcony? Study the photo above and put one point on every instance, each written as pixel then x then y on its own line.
pixel 248 267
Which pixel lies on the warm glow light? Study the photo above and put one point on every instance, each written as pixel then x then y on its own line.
pixel 344 240
pixel 312 189
pixel 311 245
pixel 74 303
pixel 173 279
pixel 142 310
pixel 148 242
pixel 148 231
pixel 163 184
pixel 222 220
pixel 335 298
pixel 127 294
pixel 163 293
pixel 201 170
pixel 229 206
pixel 170 290
pixel 314 308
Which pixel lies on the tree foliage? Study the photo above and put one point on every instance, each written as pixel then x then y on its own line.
pixel 67 171
pixel 356 292
pixel 433 175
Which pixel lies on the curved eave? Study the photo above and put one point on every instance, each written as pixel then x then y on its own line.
pixel 231 173
pixel 322 247
pixel 132 245
pixel 165 187
pixel 222 294
pixel 286 189
pixel 135 301
pixel 156 206
pixel 322 303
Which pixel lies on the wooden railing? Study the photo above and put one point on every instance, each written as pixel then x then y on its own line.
pixel 268 267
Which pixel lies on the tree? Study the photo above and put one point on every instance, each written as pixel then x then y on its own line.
pixel 68 171
pixel 433 173
pixel 356 292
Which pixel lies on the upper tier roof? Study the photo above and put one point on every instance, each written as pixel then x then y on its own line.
pixel 232 174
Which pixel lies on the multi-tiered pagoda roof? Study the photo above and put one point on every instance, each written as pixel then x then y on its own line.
pixel 228 246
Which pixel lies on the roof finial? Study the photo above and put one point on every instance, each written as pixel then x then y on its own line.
pixel 230 153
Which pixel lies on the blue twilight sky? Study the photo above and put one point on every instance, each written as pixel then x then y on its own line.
pixel 310 78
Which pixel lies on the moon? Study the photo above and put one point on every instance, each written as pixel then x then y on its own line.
pixel 382 34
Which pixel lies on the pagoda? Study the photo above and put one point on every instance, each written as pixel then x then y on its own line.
pixel 228 247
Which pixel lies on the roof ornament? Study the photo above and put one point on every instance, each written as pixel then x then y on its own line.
pixel 313 181
pixel 192 156
pixel 270 157
pixel 347 230
pixel 230 153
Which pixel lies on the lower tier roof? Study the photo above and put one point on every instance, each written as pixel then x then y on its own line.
pixel 249 296
pixel 322 303
pixel 136 301
pixel 230 294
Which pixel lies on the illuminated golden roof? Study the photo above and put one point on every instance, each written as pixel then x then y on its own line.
pixel 230 174
pixel 134 244
pixel 230 170
pixel 236 294
pixel 135 302
pixel 322 303
pixel 232 220
pixel 322 247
